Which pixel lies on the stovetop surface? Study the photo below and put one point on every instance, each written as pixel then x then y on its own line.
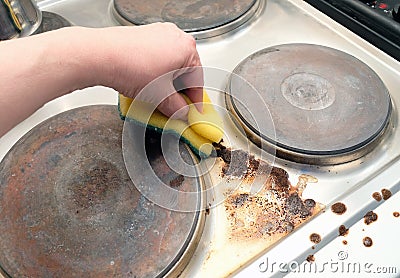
pixel 282 22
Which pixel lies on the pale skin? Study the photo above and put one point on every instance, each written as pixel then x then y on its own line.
pixel 40 68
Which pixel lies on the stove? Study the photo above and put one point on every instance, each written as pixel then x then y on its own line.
pixel 287 36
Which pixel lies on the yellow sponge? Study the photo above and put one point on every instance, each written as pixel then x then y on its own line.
pixel 199 132
pixel 208 124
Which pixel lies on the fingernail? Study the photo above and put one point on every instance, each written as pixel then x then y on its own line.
pixel 199 106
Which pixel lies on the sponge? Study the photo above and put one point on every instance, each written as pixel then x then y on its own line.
pixel 201 130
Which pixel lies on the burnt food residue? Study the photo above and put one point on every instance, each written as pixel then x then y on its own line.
pixel 315 238
pixel 238 163
pixel 343 231
pixel 309 203
pixel 344 242
pixel 370 217
pixel 367 241
pixel 275 210
pixel 396 214
pixel 386 194
pixel 92 186
pixel 377 196
pixel 177 181
pixel 339 208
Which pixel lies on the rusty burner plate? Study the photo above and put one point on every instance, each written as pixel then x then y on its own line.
pixel 326 106
pixel 189 15
pixel 68 206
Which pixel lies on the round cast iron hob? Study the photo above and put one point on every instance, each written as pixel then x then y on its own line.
pixel 202 18
pixel 68 206
pixel 327 107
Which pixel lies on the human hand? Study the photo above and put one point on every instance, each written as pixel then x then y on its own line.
pixel 136 56
pixel 124 58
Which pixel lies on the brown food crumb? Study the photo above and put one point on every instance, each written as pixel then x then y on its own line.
pixel 207 211
pixel 310 258
pixel 377 196
pixel 313 247
pixel 339 208
pixel 370 217
pixel 343 231
pixel 310 203
pixel 176 182
pixel 386 194
pixel 396 214
pixel 344 242
pixel 367 241
pixel 315 238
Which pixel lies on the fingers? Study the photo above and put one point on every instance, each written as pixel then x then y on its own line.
pixel 191 82
pixel 162 62
pixel 163 93
pixel 196 96
pixel 175 107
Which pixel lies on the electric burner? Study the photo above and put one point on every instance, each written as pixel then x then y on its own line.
pixel 51 21
pixel 68 206
pixel 327 107
pixel 202 18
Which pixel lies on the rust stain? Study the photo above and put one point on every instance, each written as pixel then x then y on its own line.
pixel 310 258
pixel 343 231
pixel 386 194
pixel 338 208
pixel 367 241
pixel 370 217
pixel 315 238
pixel 377 196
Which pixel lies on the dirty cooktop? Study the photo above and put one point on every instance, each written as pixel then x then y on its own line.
pixel 67 204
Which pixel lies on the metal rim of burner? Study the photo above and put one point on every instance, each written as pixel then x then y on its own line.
pixel 51 21
pixel 252 13
pixel 19 18
pixel 307 156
